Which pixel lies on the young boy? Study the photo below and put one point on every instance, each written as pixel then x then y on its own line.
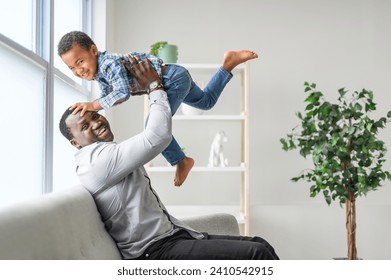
pixel 81 55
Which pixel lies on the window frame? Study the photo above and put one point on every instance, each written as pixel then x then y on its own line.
pixel 42 54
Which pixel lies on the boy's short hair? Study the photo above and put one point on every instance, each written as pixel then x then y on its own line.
pixel 63 126
pixel 71 38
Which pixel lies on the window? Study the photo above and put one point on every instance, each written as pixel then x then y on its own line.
pixel 69 15
pixel 16 22
pixel 34 94
pixel 22 126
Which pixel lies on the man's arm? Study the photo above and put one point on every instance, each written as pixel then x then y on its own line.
pixel 114 162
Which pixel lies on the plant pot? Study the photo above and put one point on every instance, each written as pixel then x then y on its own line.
pixel 168 53
pixel 191 111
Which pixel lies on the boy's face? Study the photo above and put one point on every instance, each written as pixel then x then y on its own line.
pixel 82 62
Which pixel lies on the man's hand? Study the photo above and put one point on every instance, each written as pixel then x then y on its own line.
pixel 84 107
pixel 143 72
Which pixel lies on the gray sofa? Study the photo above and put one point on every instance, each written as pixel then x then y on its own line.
pixel 66 225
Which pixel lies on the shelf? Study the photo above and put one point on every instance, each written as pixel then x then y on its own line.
pixel 209 117
pixel 197 169
pixel 192 66
pixel 187 211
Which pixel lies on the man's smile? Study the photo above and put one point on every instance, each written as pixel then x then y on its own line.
pixel 102 130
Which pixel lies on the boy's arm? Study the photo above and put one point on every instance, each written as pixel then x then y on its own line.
pixel 116 77
pixel 90 106
pixel 85 106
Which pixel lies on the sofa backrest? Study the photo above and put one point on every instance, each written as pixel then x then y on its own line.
pixel 60 225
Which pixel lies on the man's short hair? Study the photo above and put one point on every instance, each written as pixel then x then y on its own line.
pixel 63 126
pixel 71 38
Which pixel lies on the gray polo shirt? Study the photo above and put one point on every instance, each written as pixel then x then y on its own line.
pixel 114 174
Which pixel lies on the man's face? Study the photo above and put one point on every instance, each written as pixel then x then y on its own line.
pixel 90 128
pixel 82 62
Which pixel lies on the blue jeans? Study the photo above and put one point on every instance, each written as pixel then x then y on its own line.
pixel 180 87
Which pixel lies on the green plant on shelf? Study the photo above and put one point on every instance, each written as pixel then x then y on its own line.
pixel 156 47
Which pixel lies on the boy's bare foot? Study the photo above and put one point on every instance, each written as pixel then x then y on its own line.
pixel 182 170
pixel 234 58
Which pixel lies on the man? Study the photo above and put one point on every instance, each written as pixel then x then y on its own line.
pixel 132 212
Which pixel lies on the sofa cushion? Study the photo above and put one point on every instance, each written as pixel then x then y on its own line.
pixel 219 223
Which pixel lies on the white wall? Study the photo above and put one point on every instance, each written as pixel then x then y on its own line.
pixel 333 43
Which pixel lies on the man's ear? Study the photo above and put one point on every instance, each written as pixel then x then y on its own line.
pixel 75 143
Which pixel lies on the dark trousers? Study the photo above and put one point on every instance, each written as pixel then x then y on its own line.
pixel 182 246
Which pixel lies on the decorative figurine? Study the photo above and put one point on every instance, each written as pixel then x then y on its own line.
pixel 216 156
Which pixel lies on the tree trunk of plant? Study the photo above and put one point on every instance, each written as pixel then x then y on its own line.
pixel 351 226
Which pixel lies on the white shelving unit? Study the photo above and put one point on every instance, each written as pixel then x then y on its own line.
pixel 240 211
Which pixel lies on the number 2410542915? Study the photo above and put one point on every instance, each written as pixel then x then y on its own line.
pixel 231 270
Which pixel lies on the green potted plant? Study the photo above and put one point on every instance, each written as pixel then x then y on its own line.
pixel 167 52
pixel 342 140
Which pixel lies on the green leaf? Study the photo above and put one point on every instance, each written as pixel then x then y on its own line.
pixel 370 106
pixel 298 178
pixel 312 128
pixel 342 92
pixel 334 139
pixel 357 107
pixel 370 94
pixel 327 197
pixel 284 143
pixel 309 107
pixel 292 144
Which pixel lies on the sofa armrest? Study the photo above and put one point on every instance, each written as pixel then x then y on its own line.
pixel 62 225
pixel 221 223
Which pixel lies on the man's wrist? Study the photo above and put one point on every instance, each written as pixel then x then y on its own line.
pixel 159 86
pixel 155 85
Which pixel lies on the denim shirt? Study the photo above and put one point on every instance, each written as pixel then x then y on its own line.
pixel 114 81
pixel 114 174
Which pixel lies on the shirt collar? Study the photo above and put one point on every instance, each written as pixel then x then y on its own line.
pixel 101 56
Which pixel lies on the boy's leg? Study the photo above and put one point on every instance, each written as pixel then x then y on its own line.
pixel 176 81
pixel 205 99
pixel 234 58
pixel 175 156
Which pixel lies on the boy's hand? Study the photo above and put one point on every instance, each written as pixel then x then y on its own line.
pixel 84 107
pixel 143 72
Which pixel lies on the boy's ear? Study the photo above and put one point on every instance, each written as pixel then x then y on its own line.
pixel 94 50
